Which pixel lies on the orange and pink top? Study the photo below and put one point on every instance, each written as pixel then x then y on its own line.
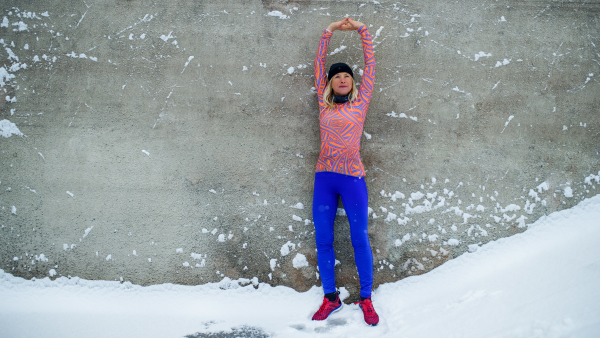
pixel 342 126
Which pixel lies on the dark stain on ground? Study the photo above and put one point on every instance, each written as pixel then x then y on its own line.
pixel 244 331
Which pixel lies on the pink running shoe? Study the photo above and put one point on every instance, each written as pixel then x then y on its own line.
pixel 371 317
pixel 327 308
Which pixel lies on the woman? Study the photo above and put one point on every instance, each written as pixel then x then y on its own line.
pixel 340 171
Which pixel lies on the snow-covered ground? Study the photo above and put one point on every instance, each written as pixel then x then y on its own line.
pixel 544 282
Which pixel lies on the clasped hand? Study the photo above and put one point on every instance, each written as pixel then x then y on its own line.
pixel 347 24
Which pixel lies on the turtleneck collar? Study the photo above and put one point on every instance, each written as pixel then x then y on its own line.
pixel 340 99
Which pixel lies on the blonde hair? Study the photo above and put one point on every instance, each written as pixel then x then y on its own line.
pixel 328 94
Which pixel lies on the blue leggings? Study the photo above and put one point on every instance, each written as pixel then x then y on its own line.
pixel 353 191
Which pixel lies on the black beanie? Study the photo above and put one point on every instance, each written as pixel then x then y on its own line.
pixel 339 68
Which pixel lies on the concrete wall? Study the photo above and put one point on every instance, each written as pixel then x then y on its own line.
pixel 175 141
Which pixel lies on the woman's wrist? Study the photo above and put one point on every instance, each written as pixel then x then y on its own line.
pixel 346 24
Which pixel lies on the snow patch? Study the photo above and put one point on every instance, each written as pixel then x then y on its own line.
pixel 299 261
pixel 568 192
pixel 453 242
pixel 278 14
pixel 482 54
pixel 502 63
pixel 285 249
pixel 7 129
pixel 5 76
pixel 166 38
pixel 337 50
pixel 297 206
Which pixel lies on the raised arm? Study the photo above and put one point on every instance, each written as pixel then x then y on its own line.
pixel 368 76
pixel 320 72
pixel 320 76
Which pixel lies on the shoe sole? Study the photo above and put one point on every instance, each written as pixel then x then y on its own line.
pixel 335 310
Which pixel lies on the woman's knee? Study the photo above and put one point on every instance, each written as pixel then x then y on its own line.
pixel 324 243
pixel 360 241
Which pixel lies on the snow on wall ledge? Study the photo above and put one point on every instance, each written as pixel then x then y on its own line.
pixel 176 144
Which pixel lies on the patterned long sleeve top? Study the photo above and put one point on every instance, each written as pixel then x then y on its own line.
pixel 342 126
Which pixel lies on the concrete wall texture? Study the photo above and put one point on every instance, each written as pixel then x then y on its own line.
pixel 175 141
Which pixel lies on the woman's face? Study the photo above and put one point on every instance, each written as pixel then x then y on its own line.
pixel 341 83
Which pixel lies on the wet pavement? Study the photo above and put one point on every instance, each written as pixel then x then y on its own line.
pixel 242 332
